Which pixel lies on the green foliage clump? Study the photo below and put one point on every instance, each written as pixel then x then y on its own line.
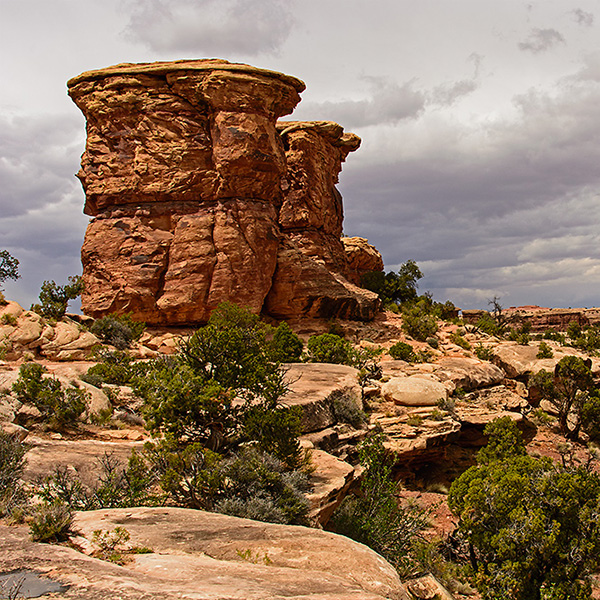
pixel 232 351
pixel 521 333
pixel 54 298
pixel 286 345
pixel 12 463
pixel 402 351
pixel 329 348
pixel 348 409
pixel 118 330
pixel 51 522
pixel 8 319
pixel 60 407
pixel 586 339
pixel 568 390
pixel 484 352
pixel 544 351
pixel 433 342
pixel 394 287
pixel 256 485
pixel 111 544
pixel 555 336
pixel 375 517
pixel 419 321
pixel 115 367
pixel 184 404
pixel 532 525
pixel 277 431
pixel 459 340
pixel 9 267
pixel 117 486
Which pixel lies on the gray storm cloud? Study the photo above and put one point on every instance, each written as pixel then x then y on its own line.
pixel 210 27
pixel 541 40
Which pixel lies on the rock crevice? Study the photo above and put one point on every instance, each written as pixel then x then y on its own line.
pixel 199 195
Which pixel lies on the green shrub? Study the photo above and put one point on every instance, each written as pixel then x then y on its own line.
pixel 117 486
pixel 433 342
pixel 116 367
pixel 277 431
pixel 329 348
pixel 183 404
pixel 544 351
pixel 574 330
pixel 60 407
pixel 567 390
pixel 54 299
pixel 51 522
pixel 111 544
pixel 402 351
pixel 9 267
pixel 12 463
pixel 8 319
pixel 232 351
pixel 348 409
pixel 394 287
pixel 375 518
pixel 484 352
pixel 531 524
pixel 286 345
pixel 555 336
pixel 259 486
pixel 189 474
pixel 418 322
pixel 414 420
pixel 459 340
pixel 118 330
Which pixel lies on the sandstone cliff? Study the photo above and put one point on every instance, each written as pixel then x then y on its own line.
pixel 199 195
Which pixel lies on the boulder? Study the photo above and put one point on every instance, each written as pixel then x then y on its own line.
pixel 468 373
pixel 315 387
pixel 331 481
pixel 362 258
pixel 414 390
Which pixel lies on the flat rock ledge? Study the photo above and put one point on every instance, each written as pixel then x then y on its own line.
pixel 207 556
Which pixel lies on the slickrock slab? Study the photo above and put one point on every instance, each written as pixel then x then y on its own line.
pixel 518 361
pixel 208 556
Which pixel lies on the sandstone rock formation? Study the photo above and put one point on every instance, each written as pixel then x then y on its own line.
pixel 199 196
pixel 206 555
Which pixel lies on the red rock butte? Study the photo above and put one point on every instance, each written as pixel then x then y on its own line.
pixel 199 195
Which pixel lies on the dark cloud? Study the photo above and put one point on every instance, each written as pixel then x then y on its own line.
pixel 388 103
pixel 209 27
pixel 583 17
pixel 41 202
pixel 541 40
pixel 38 158
pixel 500 207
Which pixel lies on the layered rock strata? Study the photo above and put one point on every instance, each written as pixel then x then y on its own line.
pixel 199 195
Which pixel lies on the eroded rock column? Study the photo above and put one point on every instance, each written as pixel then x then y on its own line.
pixel 182 173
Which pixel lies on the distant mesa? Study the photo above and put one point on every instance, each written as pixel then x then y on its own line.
pixel 200 195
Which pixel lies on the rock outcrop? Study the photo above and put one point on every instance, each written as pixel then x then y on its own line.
pixel 199 195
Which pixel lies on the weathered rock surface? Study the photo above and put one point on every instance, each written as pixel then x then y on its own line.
pixel 208 556
pixel 199 197
pixel 415 390
pixel 362 258
pixel 316 387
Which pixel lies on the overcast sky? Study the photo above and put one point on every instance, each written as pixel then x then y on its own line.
pixel 480 122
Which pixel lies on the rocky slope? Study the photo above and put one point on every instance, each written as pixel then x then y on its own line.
pixel 199 195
